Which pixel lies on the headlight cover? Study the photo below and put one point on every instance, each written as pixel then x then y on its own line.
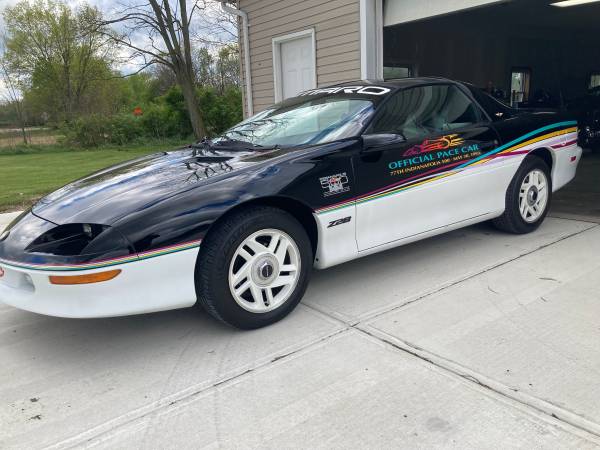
pixel 78 239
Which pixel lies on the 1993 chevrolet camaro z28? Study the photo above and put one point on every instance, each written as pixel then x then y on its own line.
pixel 236 224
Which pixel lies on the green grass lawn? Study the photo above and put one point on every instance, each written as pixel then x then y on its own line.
pixel 28 173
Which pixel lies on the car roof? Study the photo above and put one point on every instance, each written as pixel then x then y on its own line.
pixel 399 82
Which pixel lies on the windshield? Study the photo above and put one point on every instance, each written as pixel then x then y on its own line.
pixel 305 122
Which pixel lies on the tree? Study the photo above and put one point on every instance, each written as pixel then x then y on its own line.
pixel 163 79
pixel 204 65
pixel 57 51
pixel 228 66
pixel 219 70
pixel 12 95
pixel 161 32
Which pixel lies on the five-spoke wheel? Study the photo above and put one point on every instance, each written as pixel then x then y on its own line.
pixel 253 267
pixel 264 270
pixel 527 197
pixel 533 195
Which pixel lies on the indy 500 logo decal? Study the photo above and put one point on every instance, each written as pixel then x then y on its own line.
pixel 334 184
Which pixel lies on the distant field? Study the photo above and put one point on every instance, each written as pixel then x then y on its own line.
pixel 12 137
pixel 28 173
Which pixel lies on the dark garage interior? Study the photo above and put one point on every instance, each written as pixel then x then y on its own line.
pixel 527 53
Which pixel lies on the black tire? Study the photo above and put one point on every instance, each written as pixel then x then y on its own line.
pixel 217 251
pixel 512 221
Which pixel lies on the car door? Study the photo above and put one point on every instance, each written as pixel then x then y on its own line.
pixel 417 181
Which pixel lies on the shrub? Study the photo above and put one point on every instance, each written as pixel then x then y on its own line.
pixel 220 111
pixel 124 128
pixel 160 121
pixel 89 131
pixel 95 130
pixel 165 117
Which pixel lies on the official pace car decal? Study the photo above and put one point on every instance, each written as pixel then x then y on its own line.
pixel 434 153
pixel 452 165
pixel 99 264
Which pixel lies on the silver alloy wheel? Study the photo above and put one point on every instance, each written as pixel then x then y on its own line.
pixel 264 271
pixel 533 196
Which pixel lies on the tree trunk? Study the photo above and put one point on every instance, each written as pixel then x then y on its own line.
pixel 23 132
pixel 21 118
pixel 191 103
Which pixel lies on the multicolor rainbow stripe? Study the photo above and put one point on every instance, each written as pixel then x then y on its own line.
pixel 512 148
pixel 100 264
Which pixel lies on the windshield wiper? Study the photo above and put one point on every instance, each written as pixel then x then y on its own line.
pixel 234 144
pixel 243 145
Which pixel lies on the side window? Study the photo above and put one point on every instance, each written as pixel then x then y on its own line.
pixel 421 111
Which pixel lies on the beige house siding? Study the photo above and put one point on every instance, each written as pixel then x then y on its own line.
pixel 337 34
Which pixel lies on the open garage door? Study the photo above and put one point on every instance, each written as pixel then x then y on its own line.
pixel 524 50
pixel 403 11
pixel 527 53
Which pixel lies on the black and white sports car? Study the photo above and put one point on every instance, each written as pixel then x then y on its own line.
pixel 236 224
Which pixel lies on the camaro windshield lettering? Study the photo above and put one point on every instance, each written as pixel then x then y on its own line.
pixel 363 90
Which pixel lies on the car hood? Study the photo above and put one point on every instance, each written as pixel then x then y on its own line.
pixel 111 194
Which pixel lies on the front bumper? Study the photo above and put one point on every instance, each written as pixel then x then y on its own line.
pixel 155 284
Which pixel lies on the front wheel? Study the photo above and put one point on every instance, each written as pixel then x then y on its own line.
pixel 253 268
pixel 527 198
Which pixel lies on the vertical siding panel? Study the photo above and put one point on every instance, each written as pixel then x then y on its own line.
pixel 336 24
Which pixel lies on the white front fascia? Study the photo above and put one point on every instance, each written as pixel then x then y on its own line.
pixel 155 284
pixel 402 11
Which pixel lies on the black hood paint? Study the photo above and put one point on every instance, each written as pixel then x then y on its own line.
pixel 111 194
pixel 173 197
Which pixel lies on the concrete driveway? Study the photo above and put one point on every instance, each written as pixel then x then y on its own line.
pixel 475 339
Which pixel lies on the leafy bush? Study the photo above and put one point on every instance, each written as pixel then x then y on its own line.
pixel 165 117
pixel 160 121
pixel 220 112
pixel 124 128
pixel 89 131
pixel 95 130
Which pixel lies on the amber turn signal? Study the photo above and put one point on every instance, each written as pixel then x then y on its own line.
pixel 84 279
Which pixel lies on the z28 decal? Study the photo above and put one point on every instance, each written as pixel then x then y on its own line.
pixel 337 222
pixel 511 148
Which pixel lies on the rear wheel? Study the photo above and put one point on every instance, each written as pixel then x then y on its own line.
pixel 253 268
pixel 527 198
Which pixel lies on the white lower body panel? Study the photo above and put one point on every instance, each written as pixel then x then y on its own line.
pixel 465 199
pixel 337 243
pixel 472 193
pixel 565 165
pixel 156 284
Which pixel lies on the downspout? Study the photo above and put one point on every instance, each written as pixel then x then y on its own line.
pixel 248 74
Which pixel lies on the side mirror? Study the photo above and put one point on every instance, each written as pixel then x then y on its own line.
pixel 372 142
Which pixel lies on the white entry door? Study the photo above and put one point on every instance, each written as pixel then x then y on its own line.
pixel 294 65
